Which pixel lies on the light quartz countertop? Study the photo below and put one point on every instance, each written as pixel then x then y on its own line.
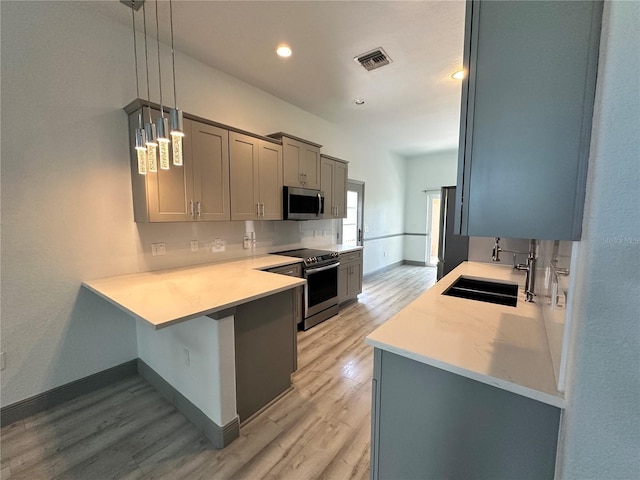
pixel 340 248
pixel 166 297
pixel 502 346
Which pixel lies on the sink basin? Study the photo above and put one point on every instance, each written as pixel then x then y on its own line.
pixel 484 291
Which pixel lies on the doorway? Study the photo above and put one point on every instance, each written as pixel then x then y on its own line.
pixel 351 228
pixel 433 227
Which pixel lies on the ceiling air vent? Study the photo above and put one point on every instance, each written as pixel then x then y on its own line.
pixel 374 59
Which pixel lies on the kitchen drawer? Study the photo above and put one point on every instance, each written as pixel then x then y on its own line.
pixel 293 270
pixel 354 256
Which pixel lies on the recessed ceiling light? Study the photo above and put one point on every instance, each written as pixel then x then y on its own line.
pixel 459 75
pixel 359 101
pixel 284 51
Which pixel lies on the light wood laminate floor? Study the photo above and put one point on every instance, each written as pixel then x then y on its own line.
pixel 319 430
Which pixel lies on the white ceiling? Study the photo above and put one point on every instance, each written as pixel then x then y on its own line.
pixel 412 105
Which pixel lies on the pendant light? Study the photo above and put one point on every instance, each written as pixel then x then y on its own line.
pixel 177 130
pixel 162 123
pixel 141 140
pixel 149 128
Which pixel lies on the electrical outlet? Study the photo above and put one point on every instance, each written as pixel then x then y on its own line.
pixel 187 356
pixel 246 242
pixel 158 249
pixel 2 364
pixel 194 245
pixel 218 245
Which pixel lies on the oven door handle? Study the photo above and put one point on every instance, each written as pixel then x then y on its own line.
pixel 319 204
pixel 321 269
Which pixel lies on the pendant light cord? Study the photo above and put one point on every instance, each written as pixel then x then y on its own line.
pixel 146 58
pixel 159 71
pixel 173 57
pixel 135 56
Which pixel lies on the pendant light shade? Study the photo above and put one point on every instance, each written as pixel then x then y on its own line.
pixel 141 150
pixel 177 132
pixel 152 145
pixel 162 129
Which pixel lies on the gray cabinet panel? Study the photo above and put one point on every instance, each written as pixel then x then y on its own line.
pixel 256 178
pixel 264 344
pixel 301 162
pixel 349 276
pixel 526 117
pixel 333 182
pixel 210 150
pixel 429 423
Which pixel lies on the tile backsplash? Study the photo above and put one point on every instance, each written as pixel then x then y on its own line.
pixel 552 287
pixel 270 236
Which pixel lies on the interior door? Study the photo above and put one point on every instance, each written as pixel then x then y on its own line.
pixel 351 228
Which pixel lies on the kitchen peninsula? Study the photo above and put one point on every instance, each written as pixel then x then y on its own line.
pixel 464 388
pixel 186 323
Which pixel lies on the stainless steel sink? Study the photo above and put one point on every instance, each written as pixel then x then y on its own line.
pixel 471 288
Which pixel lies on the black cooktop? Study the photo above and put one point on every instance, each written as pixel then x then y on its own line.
pixel 310 255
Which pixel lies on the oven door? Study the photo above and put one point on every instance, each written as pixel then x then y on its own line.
pixel 321 291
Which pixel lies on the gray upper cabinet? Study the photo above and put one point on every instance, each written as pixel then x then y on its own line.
pixel 301 161
pixel 527 104
pixel 196 191
pixel 333 182
pixel 256 178
pixel 210 160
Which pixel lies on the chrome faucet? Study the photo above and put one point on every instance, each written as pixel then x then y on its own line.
pixel 530 268
pixel 495 252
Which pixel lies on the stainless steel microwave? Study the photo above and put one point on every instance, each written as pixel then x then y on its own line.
pixel 302 203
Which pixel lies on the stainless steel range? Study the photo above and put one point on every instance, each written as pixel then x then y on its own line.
pixel 320 269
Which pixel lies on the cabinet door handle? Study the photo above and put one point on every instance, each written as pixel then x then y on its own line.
pixel 262 209
pixel 258 209
pixel 191 208
pixel 199 204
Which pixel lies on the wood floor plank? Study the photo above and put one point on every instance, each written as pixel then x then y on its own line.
pixel 319 430
pixel 64 455
pixel 352 461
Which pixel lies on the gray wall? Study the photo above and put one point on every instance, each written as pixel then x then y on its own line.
pixel 67 72
pixel 600 435
pixel 424 172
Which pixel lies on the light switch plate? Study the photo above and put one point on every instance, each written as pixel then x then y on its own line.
pixel 194 245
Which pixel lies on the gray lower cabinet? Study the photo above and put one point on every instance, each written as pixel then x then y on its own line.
pixel 265 351
pixel 294 270
pixel 428 423
pixel 349 276
pixel 527 105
